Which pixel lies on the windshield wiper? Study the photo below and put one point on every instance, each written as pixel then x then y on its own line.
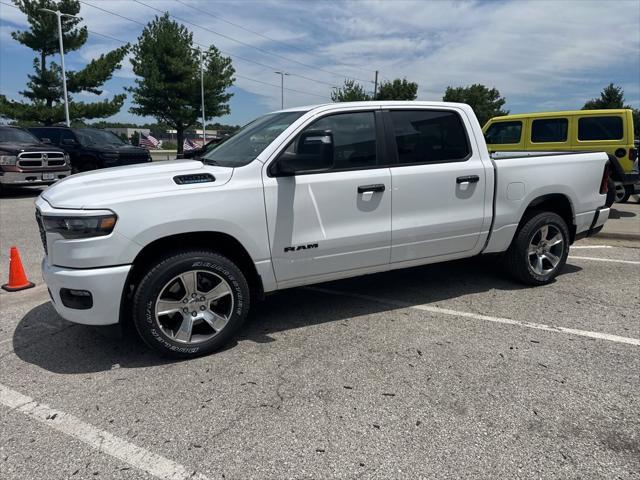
pixel 209 162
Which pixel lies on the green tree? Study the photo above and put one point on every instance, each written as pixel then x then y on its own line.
pixel 351 91
pixel 168 87
pixel 612 96
pixel 486 103
pixel 44 88
pixel 397 90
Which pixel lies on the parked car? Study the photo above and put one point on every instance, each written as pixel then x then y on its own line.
pixel 303 196
pixel 609 131
pixel 91 148
pixel 25 160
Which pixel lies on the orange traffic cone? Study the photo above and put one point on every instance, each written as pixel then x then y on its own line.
pixel 17 277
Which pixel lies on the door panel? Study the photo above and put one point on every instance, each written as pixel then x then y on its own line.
pixel 438 184
pixel 320 223
pixel 337 220
pixel 433 214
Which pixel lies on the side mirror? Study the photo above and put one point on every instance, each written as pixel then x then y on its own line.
pixel 314 154
pixel 69 141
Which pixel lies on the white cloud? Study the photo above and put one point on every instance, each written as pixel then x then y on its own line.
pixel 538 54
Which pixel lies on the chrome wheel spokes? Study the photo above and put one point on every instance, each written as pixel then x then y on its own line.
pixel 546 249
pixel 194 306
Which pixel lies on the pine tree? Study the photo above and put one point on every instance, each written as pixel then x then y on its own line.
pixel 168 87
pixel 44 88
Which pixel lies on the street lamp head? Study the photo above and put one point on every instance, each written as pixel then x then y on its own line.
pixel 58 13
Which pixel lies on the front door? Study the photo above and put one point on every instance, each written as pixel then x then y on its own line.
pixel 438 185
pixel 337 218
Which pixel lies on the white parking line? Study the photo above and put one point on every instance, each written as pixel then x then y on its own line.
pixel 591 246
pixel 488 318
pixel 595 259
pixel 101 440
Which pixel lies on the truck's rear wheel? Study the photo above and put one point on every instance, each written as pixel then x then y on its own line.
pixel 191 303
pixel 539 250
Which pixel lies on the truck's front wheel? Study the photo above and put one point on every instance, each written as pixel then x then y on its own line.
pixel 191 303
pixel 540 249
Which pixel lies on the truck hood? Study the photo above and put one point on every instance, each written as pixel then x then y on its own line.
pixel 18 147
pixel 111 186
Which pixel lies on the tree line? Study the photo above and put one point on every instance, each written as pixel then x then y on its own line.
pixel 167 84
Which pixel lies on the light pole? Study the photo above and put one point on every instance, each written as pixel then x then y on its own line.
pixel 59 15
pixel 202 54
pixel 282 74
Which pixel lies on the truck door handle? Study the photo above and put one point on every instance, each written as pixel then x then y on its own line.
pixel 378 187
pixel 468 179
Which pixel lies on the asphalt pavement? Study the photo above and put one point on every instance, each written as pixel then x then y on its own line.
pixel 444 371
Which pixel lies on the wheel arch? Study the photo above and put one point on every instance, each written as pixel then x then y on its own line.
pixel 557 203
pixel 219 242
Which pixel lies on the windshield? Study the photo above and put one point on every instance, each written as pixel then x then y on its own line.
pixel 16 135
pixel 243 147
pixel 97 137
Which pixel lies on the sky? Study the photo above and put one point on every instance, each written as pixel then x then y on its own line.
pixel 541 55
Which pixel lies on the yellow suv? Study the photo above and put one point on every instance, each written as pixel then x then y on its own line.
pixel 608 131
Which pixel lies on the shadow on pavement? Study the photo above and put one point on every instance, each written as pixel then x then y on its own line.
pixel 21 192
pixel 44 339
pixel 617 214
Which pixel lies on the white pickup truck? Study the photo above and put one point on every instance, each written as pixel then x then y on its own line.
pixel 302 196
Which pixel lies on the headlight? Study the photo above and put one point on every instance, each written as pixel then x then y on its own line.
pixel 80 227
pixel 8 159
pixel 67 159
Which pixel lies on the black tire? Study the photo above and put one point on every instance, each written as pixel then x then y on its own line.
pixel 154 283
pixel 517 258
pixel 611 193
pixel 628 191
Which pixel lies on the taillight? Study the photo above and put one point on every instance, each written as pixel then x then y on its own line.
pixel 604 185
pixel 633 154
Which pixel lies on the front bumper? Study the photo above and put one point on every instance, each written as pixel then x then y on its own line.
pixel 105 285
pixel 32 178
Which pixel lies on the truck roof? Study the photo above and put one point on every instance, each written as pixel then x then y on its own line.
pixel 374 103
pixel 561 113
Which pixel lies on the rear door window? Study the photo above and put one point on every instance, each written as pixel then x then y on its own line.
pixel 429 136
pixel 548 130
pixel 66 135
pixel 52 134
pixel 504 132
pixel 600 128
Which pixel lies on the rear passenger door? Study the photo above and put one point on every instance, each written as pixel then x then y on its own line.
pixel 438 184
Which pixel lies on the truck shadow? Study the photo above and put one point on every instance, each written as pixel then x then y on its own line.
pixel 44 339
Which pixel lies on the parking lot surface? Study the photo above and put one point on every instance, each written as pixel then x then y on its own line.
pixel 443 371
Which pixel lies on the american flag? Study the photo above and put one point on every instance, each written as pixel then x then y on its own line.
pixel 189 145
pixel 148 141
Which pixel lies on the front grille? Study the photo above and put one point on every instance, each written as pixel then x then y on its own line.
pixel 43 234
pixel 29 160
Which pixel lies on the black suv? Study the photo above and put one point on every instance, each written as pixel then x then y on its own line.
pixel 91 148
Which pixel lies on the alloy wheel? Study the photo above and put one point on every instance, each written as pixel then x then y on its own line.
pixel 194 306
pixel 546 249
